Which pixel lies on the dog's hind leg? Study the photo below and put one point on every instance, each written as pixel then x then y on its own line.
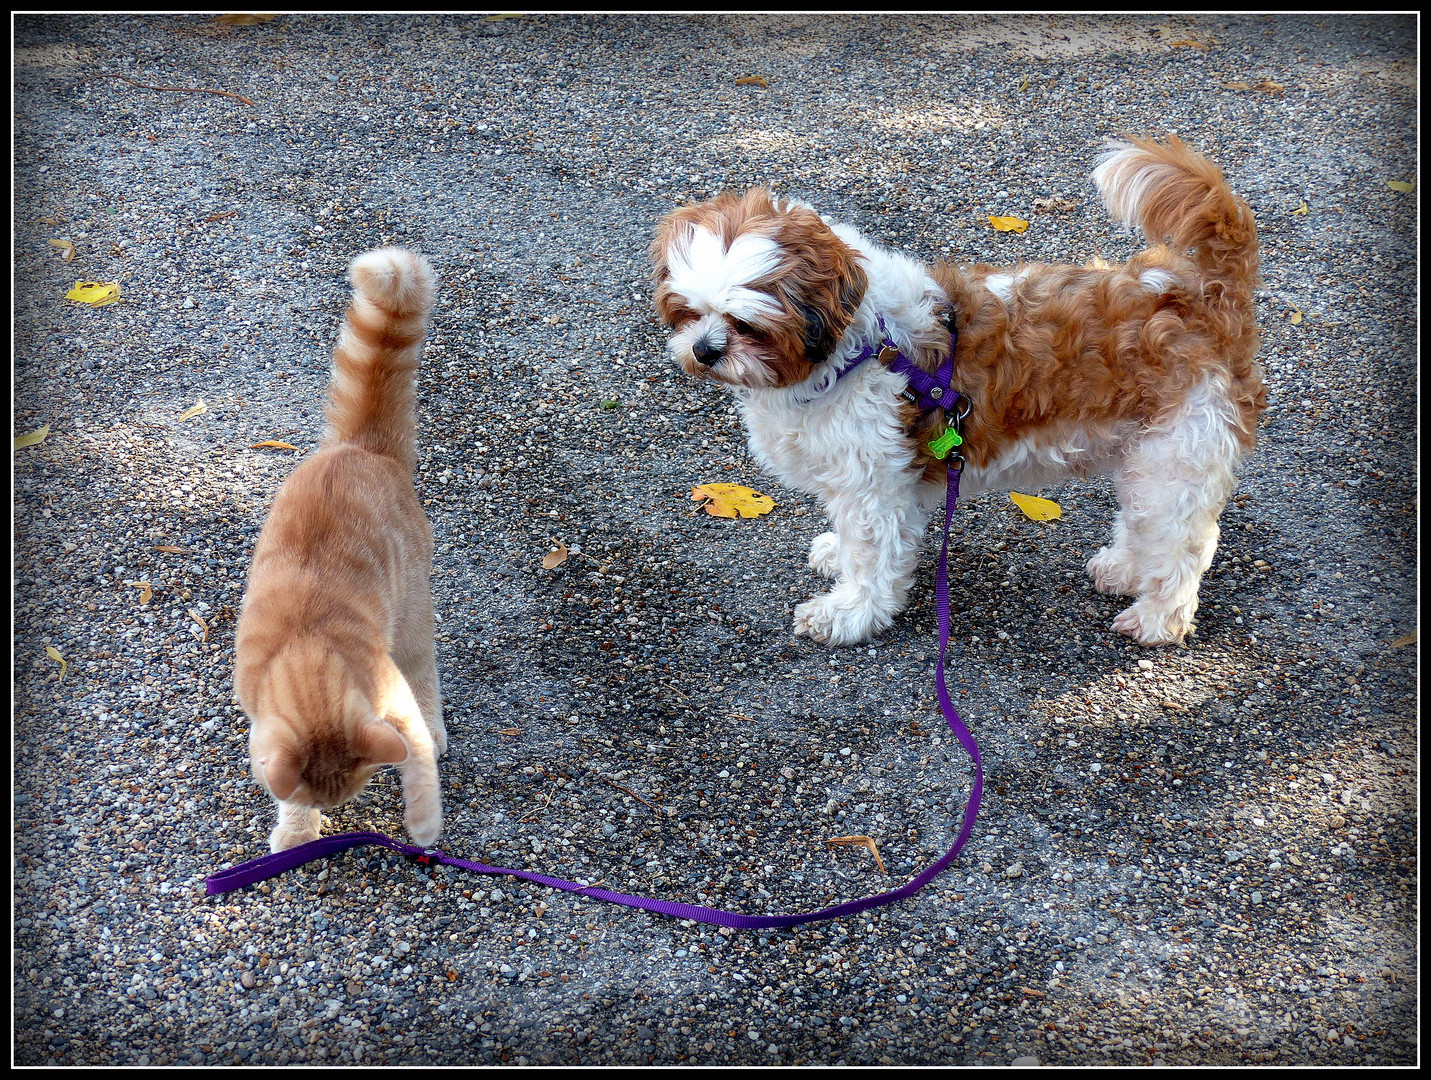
pixel 1173 486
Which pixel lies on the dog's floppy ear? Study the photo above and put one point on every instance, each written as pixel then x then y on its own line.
pixel 818 341
pixel 829 309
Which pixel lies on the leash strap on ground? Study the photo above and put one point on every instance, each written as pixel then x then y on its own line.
pixel 236 877
pixel 268 866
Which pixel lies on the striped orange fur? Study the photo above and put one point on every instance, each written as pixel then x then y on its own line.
pixel 336 666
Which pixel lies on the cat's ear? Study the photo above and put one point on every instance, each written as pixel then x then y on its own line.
pixel 379 744
pixel 280 773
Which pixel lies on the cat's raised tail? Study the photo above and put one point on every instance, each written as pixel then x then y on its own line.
pixel 371 393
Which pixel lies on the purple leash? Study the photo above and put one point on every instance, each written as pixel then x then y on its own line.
pixel 236 877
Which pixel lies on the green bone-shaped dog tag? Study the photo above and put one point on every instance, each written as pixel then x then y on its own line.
pixel 946 442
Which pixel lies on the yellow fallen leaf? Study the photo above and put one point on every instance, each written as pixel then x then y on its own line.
pixel 54 654
pixel 146 595
pixel 1036 509
pixel 731 500
pixel 1187 43
pixel 499 18
pixel 752 80
pixel 1024 85
pixel 1296 316
pixel 190 413
pixel 273 443
pixel 1404 640
pixel 65 246
pixel 1301 209
pixel 860 841
pixel 36 436
pixel 1401 186
pixel 1008 224
pixel 555 557
pixel 1267 86
pixel 1237 86
pixel 245 19
pixel 94 293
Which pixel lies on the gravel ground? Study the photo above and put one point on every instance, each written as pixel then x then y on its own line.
pixel 1200 854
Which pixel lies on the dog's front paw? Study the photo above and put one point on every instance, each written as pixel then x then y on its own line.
pixel 1150 625
pixel 839 618
pixel 1112 573
pixel 824 550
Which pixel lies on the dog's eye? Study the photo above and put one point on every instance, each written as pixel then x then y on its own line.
pixel 745 329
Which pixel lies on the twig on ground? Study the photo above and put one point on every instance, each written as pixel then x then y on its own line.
pixel 175 89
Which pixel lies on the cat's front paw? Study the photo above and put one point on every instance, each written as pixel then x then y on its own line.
pixel 289 834
pixel 424 826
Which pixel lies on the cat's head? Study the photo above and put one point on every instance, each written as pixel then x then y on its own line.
pixel 320 751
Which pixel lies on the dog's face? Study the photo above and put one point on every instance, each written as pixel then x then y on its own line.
pixel 757 290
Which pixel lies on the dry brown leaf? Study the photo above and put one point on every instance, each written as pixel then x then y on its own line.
pixel 1053 205
pixel 245 19
pixel 1237 86
pixel 195 410
pixel 1404 640
pixel 272 444
pixel 752 80
pixel 170 548
pixel 220 217
pixel 67 247
pixel 1267 86
pixel 148 591
pixel 555 557
pixel 860 841
pixel 510 731
pixel 195 616
pixel 1188 43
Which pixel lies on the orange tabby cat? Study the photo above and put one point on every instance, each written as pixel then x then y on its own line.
pixel 336 663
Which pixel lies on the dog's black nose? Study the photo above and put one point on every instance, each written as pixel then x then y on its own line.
pixel 706 353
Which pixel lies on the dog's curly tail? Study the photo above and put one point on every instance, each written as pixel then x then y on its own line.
pixel 371 396
pixel 1179 197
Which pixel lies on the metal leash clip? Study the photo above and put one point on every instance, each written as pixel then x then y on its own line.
pixel 426 858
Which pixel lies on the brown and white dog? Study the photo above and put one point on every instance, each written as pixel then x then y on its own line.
pixel 1144 370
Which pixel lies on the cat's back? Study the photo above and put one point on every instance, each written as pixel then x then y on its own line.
pixel 345 547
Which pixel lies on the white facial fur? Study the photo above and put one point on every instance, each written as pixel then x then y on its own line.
pixel 715 281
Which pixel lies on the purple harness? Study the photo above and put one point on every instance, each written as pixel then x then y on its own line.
pixel 929 392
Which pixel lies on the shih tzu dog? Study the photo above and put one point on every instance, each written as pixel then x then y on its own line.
pixel 1144 370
